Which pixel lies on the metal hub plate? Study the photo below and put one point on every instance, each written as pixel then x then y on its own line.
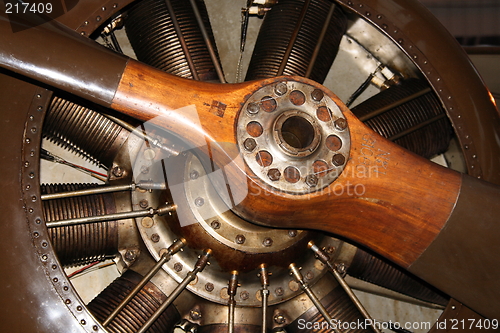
pixel 294 137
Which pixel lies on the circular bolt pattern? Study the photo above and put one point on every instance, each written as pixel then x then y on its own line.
pixel 323 114
pixel 297 97
pixel 250 144
pixel 317 95
pixel 338 159
pixel 292 174
pixel 253 108
pixel 311 180
pixel 320 168
pixel 280 89
pixel 274 174
pixel 215 224
pixel 267 242
pixel 264 158
pixel 341 124
pixel 240 239
pixel 333 143
pixel 268 104
pixel 255 129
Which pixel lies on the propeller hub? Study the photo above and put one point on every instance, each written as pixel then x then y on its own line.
pixel 293 136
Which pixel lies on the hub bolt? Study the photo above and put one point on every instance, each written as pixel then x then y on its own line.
pixel 280 89
pixel 341 124
pixel 274 174
pixel 317 95
pixel 253 108
pixel 249 144
pixel 338 159
pixel 311 180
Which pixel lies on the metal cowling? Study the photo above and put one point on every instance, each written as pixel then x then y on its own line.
pixel 290 33
pixel 419 125
pixel 341 309
pixel 83 243
pixel 83 131
pixel 137 311
pixel 372 269
pixel 151 29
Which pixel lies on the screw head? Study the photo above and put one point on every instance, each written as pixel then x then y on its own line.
pixel 292 233
pixel 280 89
pixel 279 319
pixel 155 238
pixel 240 239
pixel 311 180
pixel 341 124
pixel 194 174
pixel 215 224
pixel 338 159
pixel 117 171
pixel 253 108
pixel 279 291
pixel 143 203
pixel 199 201
pixel 317 95
pixel 130 255
pixel 195 314
pixel 267 242
pixel 249 144
pixel 244 295
pixel 209 287
pixel 274 174
pixel 178 267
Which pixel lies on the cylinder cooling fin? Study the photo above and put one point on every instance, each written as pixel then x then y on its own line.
pixel 218 272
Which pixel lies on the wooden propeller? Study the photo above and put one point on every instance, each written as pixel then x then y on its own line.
pixel 412 211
